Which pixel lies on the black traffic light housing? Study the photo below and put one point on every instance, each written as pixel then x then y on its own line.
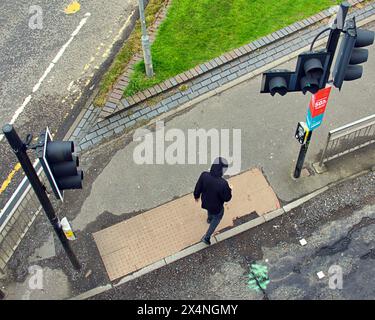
pixel 311 71
pixel 277 81
pixel 351 54
pixel 310 75
pixel 60 164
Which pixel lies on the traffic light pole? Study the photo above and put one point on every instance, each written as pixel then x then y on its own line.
pixel 19 149
pixel 301 156
pixel 331 48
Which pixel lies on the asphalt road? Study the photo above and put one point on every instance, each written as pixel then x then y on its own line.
pixel 46 73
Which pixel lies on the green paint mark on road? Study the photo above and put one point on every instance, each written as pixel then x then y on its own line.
pixel 258 277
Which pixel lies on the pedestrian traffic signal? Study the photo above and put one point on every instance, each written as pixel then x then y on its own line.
pixel 351 54
pixel 310 75
pixel 59 164
pixel 302 132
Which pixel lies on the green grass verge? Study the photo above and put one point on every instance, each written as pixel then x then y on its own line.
pixel 131 46
pixel 196 31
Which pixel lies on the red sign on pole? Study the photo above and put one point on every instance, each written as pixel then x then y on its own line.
pixel 319 102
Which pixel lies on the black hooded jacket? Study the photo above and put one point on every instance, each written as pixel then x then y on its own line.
pixel 213 188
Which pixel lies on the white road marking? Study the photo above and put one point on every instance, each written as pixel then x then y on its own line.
pixel 48 70
pixel 61 51
pixel 20 109
pixel 70 85
pixel 45 74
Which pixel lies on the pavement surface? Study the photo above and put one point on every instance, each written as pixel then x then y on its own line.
pixel 117 189
pixel 166 230
pixel 47 74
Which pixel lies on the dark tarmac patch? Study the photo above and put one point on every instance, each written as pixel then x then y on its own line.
pixel 343 244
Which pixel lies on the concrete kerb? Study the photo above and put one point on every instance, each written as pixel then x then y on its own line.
pixel 274 214
pixel 333 184
pixel 142 272
pixel 240 229
pixel 304 199
pixel 92 292
pixel 218 238
pixel 188 251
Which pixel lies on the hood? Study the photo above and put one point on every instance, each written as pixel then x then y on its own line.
pixel 218 167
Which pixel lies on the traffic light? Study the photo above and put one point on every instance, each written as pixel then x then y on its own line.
pixel 311 71
pixel 59 164
pixel 276 81
pixel 351 54
pixel 310 75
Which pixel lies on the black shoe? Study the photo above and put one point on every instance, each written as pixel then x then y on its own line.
pixel 209 220
pixel 206 241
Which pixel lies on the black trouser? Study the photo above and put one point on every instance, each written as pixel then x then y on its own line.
pixel 214 222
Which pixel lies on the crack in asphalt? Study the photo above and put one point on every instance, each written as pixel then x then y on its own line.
pixel 369 255
pixel 339 246
pixel 343 244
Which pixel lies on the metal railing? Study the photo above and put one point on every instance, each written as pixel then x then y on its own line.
pixel 17 216
pixel 349 138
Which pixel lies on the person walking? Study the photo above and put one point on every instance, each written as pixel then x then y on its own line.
pixel 213 190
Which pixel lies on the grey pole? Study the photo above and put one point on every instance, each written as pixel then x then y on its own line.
pixel 145 42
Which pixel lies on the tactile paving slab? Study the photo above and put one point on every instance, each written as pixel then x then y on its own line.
pixel 160 232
